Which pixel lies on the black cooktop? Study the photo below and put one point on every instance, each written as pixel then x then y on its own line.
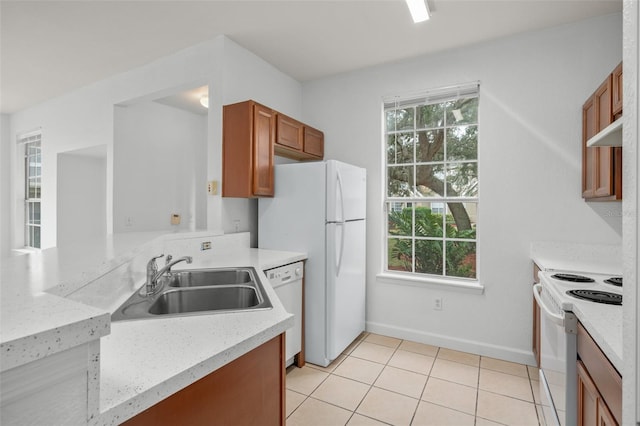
pixel 573 278
pixel 617 281
pixel 597 296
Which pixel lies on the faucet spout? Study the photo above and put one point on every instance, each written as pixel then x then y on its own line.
pixel 153 274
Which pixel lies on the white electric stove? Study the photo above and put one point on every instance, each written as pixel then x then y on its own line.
pixel 560 294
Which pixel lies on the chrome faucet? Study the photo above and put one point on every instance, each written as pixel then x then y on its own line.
pixel 153 274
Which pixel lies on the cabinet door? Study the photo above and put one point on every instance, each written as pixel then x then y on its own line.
pixel 313 142
pixel 601 166
pixel 588 398
pixel 588 154
pixel 604 155
pixel 536 332
pixel 616 92
pixel 605 418
pixel 263 137
pixel 248 391
pixel 288 132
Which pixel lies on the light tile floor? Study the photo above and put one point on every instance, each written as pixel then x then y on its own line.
pixel 381 380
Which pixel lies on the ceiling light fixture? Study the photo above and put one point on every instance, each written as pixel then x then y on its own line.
pixel 204 101
pixel 419 10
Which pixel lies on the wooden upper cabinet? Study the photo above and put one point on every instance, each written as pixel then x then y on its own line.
pixel 252 135
pixel 616 92
pixel 313 142
pixel 289 132
pixel 601 166
pixel 588 153
pixel 263 127
pixel 247 150
pixel 298 141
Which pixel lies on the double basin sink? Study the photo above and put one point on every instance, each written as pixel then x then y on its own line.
pixel 198 291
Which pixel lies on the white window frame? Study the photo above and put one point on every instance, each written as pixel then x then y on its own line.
pixel 415 278
pixel 32 201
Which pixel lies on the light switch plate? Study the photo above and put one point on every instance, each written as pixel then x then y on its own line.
pixel 212 187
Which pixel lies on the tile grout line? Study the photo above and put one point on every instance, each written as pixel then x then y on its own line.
pixel 428 376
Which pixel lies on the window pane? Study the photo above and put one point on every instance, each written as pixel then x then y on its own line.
pixel 463 111
pixel 399 254
pixel 33 213
pixel 400 148
pixel 400 119
pixel 429 257
pixel 36 237
pixel 401 221
pixel 462 180
pixel 430 180
pixel 462 143
pixel 461 220
pixel 34 188
pixel 430 116
pixel 461 259
pixel 430 146
pixel 400 181
pixel 428 222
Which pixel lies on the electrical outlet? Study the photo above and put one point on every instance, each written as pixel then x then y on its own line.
pixel 206 245
pixel 236 225
pixel 128 221
pixel 437 304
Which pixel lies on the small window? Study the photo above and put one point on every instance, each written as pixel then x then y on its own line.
pixel 32 188
pixel 431 197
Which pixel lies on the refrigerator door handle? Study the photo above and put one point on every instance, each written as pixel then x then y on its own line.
pixel 339 181
pixel 340 225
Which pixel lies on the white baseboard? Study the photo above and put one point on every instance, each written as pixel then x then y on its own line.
pixel 470 346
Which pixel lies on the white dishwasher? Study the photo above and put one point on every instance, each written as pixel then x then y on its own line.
pixel 287 282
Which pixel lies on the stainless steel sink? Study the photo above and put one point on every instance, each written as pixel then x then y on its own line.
pixel 205 299
pixel 198 291
pixel 209 277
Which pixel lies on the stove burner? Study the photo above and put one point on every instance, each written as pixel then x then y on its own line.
pixel 573 278
pixel 597 296
pixel 617 281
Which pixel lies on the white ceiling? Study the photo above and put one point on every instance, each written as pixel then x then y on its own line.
pixel 50 47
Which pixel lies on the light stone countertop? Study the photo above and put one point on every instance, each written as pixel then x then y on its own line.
pixel 53 300
pixel 603 322
pixel 144 361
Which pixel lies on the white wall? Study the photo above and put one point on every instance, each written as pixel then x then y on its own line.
pixel 160 160
pixel 85 118
pixel 5 185
pixel 532 88
pixel 631 159
pixel 82 197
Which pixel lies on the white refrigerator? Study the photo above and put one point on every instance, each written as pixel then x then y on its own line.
pixel 319 208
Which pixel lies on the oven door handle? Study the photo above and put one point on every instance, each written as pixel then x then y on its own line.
pixel 555 318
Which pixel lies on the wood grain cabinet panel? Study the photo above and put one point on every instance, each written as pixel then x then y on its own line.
pixel 313 142
pixel 535 342
pixel 588 398
pixel 601 166
pixel 616 92
pixel 247 150
pixel 289 132
pixel 599 384
pixel 247 391
pixel 252 135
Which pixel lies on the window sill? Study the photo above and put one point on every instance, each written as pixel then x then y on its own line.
pixel 473 287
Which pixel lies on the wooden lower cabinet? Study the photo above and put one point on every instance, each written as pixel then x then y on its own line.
pixel 535 342
pixel 599 385
pixel 592 410
pixel 247 391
